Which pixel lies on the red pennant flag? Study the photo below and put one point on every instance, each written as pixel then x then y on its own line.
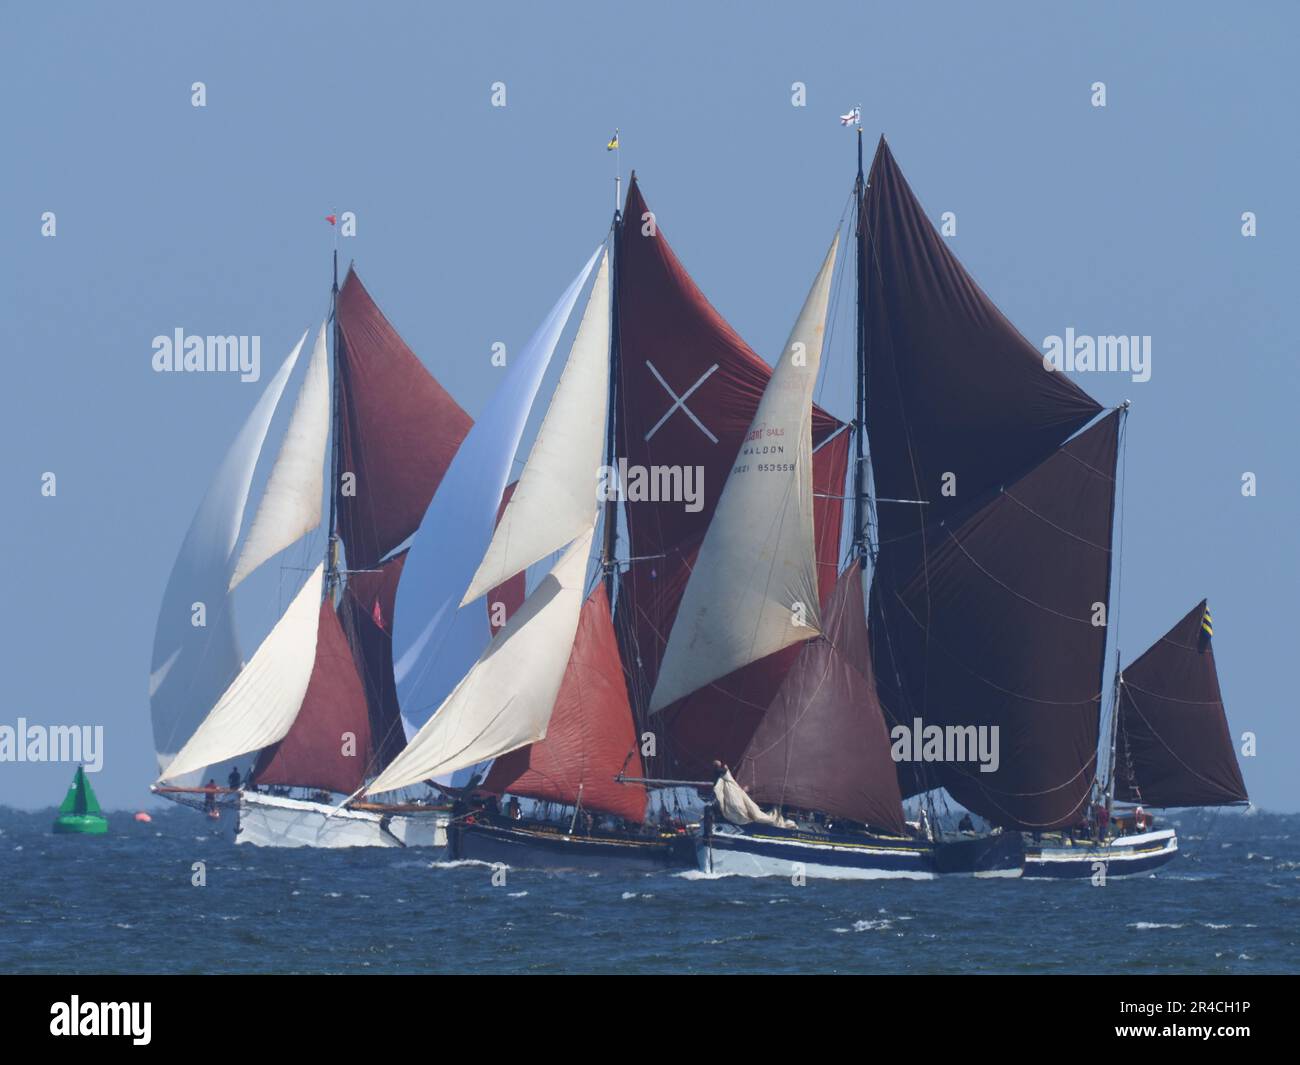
pixel 330 219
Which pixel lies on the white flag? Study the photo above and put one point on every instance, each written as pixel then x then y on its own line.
pixel 852 118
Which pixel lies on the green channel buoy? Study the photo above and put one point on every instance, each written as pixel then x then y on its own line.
pixel 80 813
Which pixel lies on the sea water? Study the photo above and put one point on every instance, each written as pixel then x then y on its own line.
pixel 175 896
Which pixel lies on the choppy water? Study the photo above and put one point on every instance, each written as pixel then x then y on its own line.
pixel 125 903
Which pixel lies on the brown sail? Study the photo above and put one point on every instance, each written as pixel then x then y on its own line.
pixel 328 746
pixel 688 389
pixel 398 430
pixel 1004 626
pixel 591 736
pixel 952 386
pixel 822 744
pixel 1172 744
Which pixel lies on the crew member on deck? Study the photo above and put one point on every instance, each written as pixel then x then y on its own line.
pixel 210 799
pixel 965 824
pixel 233 780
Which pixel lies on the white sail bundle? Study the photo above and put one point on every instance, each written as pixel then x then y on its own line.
pixel 290 507
pixel 434 643
pixel 753 587
pixel 505 701
pixel 192 664
pixel 552 503
pixel 736 806
pixel 262 702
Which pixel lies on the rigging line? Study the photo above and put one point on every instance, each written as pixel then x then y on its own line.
pixel 997 687
pixel 1024 598
pixel 1172 752
pixel 1048 521
pixel 988 790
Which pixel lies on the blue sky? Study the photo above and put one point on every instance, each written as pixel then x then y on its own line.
pixel 471 219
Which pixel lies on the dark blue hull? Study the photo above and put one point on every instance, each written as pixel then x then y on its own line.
pixel 763 850
pixel 530 845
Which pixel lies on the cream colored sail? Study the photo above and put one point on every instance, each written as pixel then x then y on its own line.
pixel 262 702
pixel 291 504
pixel 753 588
pixel 193 664
pixel 506 699
pixel 553 501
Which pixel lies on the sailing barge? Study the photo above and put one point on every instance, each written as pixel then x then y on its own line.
pixel 314 713
pixel 660 639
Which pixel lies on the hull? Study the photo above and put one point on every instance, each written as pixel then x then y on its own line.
pixel 1121 856
pixel 533 845
pixel 999 855
pixel 80 825
pixel 275 821
pixel 767 851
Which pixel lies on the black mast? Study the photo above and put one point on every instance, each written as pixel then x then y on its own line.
pixel 608 563
pixel 332 548
pixel 860 396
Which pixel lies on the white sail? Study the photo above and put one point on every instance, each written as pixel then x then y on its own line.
pixel 753 588
pixel 553 500
pixel 505 700
pixel 261 703
pixel 434 643
pixel 194 662
pixel 291 503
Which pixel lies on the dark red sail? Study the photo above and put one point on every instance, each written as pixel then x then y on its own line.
pixel 591 736
pixel 823 744
pixel 366 612
pixel 952 386
pixel 328 745
pixel 688 390
pixel 999 628
pixel 1172 745
pixel 511 592
pixel 398 430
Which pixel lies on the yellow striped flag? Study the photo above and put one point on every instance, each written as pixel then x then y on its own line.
pixel 613 142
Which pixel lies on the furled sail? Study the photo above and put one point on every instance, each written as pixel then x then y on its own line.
pixel 753 586
pixel 291 503
pixel 957 400
pixel 689 388
pixel 193 664
pixel 328 745
pixel 737 807
pixel 398 430
pixel 823 743
pixel 552 502
pixel 1173 746
pixel 261 703
pixel 1005 627
pixel 366 614
pixel 458 525
pixel 506 699
pixel 591 737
